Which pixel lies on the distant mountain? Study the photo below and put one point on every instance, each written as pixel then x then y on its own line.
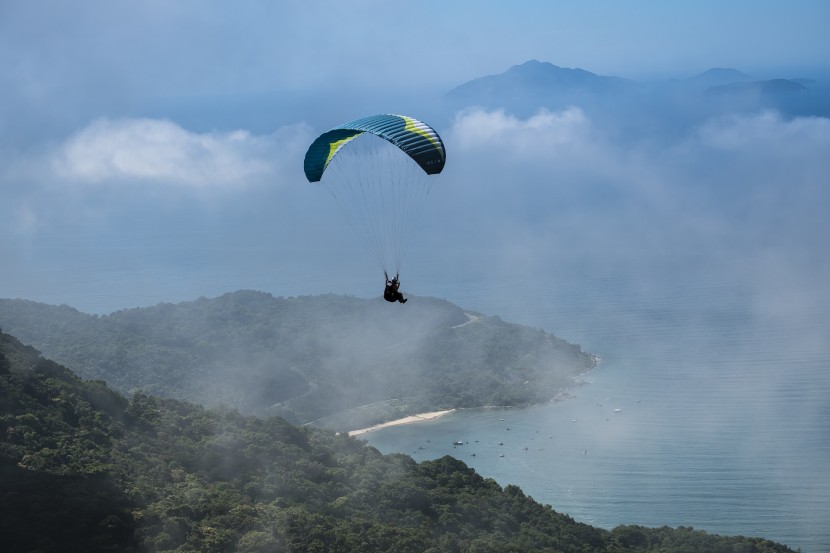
pixel 771 87
pixel 536 79
pixel 357 362
pixel 720 81
pixel 718 76
pixel 806 82
pixel 635 108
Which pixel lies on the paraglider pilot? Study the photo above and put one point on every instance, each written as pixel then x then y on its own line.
pixel 391 292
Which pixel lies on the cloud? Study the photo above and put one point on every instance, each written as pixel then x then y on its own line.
pixel 160 152
pixel 553 168
pixel 545 133
pixel 766 130
pixel 746 152
pixel 763 148
pixel 742 183
pixel 544 161
pixel 112 168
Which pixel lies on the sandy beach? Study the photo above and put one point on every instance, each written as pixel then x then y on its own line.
pixel 406 420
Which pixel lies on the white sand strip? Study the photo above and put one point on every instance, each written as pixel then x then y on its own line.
pixel 405 420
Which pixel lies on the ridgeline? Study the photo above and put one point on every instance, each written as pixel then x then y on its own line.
pixel 344 362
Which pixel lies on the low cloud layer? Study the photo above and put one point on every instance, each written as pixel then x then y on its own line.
pixel 757 169
pixel 150 151
pixel 554 171
pixel 115 165
pixel 541 134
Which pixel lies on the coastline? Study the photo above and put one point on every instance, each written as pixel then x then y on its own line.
pixel 406 420
pixel 561 395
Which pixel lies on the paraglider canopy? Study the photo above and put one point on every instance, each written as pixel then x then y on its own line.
pixel 416 139
pixel 379 169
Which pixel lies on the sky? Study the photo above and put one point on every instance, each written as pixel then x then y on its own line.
pixel 65 64
pixel 151 151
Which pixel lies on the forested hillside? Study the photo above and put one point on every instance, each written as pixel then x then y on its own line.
pixel 82 468
pixel 306 358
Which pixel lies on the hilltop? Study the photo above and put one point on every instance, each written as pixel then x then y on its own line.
pixel 719 76
pixel 350 362
pixel 536 77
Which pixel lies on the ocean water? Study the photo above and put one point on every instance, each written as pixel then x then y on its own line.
pixel 709 408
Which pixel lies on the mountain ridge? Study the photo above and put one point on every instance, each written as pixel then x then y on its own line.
pixel 535 76
pixel 525 88
pixel 307 358
pixel 719 75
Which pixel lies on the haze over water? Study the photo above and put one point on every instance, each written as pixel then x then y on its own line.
pixel 722 421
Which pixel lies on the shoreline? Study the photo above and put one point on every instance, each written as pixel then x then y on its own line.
pixel 397 422
pixel 561 395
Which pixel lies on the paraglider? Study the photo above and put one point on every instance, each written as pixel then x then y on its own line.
pixel 391 292
pixel 379 169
